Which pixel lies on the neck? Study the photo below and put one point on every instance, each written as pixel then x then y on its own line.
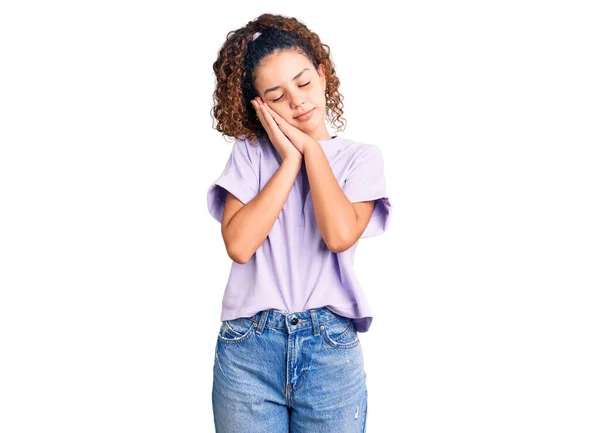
pixel 320 133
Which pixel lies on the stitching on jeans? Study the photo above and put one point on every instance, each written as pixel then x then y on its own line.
pixel 283 329
pixel 343 334
pixel 233 330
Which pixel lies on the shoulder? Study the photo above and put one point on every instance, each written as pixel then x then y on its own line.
pixel 360 151
pixel 247 148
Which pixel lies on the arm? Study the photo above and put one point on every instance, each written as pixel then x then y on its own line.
pixel 340 222
pixel 245 230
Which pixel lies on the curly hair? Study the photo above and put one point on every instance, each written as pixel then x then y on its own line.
pixel 236 65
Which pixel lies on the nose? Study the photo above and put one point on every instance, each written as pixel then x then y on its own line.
pixel 297 99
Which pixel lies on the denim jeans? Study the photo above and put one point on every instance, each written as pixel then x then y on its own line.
pixel 279 372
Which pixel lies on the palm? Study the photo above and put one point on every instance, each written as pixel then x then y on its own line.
pixel 280 129
pixel 284 144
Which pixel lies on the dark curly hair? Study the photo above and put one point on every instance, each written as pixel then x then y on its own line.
pixel 237 62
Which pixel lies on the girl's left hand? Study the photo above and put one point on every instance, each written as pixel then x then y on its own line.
pixel 298 138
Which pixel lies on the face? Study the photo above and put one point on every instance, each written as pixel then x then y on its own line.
pixel 290 85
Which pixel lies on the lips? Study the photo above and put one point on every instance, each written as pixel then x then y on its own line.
pixel 299 117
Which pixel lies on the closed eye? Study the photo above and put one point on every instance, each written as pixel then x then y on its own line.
pixel 305 84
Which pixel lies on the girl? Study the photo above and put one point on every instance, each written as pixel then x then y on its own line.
pixel 292 202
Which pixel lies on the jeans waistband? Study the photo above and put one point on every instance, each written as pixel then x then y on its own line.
pixel 292 322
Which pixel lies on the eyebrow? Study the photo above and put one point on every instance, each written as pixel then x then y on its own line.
pixel 277 87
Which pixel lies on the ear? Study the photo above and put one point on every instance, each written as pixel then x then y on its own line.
pixel 322 77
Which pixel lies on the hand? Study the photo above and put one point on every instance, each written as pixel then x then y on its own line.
pixel 297 137
pixel 282 144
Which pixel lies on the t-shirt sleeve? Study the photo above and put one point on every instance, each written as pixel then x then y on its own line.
pixel 365 182
pixel 240 178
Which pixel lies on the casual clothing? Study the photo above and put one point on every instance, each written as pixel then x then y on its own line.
pixel 293 270
pixel 280 372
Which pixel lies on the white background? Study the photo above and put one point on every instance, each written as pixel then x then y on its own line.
pixel 485 288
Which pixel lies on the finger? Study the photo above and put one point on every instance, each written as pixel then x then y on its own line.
pixel 268 117
pixel 287 128
pixel 257 108
pixel 273 114
pixel 273 127
pixel 260 115
pixel 283 125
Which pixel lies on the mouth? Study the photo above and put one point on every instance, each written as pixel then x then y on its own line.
pixel 305 115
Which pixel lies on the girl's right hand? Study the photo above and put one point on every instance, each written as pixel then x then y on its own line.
pixel 282 144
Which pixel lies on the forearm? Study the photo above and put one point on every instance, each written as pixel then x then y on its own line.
pixel 250 226
pixel 334 212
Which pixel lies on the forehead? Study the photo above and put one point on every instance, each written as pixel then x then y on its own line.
pixel 281 67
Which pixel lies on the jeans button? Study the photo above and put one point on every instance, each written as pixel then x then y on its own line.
pixel 294 321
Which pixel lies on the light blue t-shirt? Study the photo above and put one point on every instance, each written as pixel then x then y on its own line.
pixel 293 270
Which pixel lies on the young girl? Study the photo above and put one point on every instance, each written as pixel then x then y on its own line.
pixel 292 202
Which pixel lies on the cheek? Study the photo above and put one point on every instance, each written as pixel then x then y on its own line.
pixel 273 107
pixel 318 97
pixel 285 114
pixel 281 112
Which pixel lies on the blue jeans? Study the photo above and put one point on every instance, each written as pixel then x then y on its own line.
pixel 279 372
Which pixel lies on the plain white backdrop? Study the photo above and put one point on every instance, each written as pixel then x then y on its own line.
pixel 484 289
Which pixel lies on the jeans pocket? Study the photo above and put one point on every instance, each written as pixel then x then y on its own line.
pixel 236 330
pixel 341 333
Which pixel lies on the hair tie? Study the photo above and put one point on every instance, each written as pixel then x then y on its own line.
pixel 256 35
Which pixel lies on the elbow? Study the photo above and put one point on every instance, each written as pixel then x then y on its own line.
pixel 237 256
pixel 238 252
pixel 338 246
pixel 239 260
pixel 234 252
pixel 338 249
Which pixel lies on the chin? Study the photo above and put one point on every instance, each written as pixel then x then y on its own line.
pixel 303 128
